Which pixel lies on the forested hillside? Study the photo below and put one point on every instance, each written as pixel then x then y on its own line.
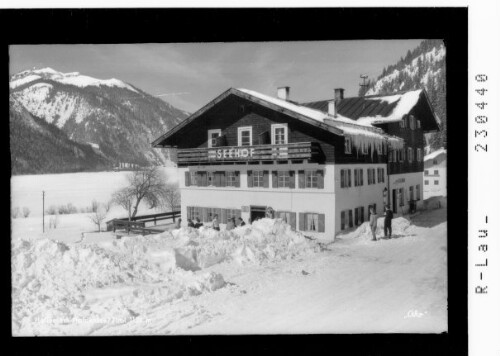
pixel 423 67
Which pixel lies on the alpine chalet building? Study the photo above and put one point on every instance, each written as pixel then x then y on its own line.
pixel 317 165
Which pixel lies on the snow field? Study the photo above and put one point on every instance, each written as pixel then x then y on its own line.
pixel 68 289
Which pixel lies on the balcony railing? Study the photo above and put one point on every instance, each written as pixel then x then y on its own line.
pixel 242 154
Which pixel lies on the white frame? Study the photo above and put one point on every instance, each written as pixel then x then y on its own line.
pixel 209 134
pixel 279 126
pixel 242 129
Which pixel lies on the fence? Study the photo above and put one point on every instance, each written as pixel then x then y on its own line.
pixel 138 223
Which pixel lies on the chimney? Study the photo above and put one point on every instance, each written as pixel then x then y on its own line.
pixel 339 93
pixel 332 108
pixel 283 93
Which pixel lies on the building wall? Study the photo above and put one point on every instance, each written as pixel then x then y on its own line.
pixel 354 197
pixel 431 176
pixel 410 180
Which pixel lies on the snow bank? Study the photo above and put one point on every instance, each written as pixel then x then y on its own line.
pixel 266 240
pixel 54 283
pixel 400 227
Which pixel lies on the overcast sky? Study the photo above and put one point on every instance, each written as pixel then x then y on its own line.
pixel 195 73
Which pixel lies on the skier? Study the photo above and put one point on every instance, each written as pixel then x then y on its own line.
pixel 373 222
pixel 388 221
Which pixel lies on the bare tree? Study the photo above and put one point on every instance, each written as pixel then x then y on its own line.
pixel 147 184
pixel 171 197
pixel 98 216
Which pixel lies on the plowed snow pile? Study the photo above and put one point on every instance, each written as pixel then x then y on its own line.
pixel 74 289
pixel 400 226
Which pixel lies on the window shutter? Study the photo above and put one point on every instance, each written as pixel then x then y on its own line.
pixel 342 220
pixel 237 176
pixel 292 222
pixel 222 179
pixel 218 178
pixel 302 220
pixel 362 214
pixel 342 178
pixel 266 179
pixel 187 178
pixel 349 175
pixel 249 179
pixel 356 216
pixel 204 179
pixel 350 218
pixel 302 179
pixel 292 179
pixel 275 179
pixel 321 222
pixel 321 179
pixel 356 179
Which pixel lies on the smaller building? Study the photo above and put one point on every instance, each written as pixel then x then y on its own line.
pixel 435 174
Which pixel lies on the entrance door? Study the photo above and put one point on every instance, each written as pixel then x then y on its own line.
pixel 257 212
pixel 394 201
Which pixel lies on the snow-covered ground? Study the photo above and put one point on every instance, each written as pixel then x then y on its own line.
pixel 78 189
pixel 262 278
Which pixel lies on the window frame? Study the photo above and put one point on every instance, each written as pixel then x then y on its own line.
pixel 313 174
pixel 347 145
pixel 426 182
pixel 286 175
pixel 210 143
pixel 212 182
pixel 258 179
pixel 229 175
pixel 193 177
pixel 274 127
pixel 315 221
pixel 244 129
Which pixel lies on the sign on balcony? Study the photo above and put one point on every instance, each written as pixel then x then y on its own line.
pixel 228 153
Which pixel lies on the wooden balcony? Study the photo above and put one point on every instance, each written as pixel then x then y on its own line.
pixel 309 151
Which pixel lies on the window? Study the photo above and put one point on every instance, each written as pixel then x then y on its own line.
pixel 312 222
pixel 245 136
pixel 279 134
pixel 194 178
pixel 412 122
pixel 284 215
pixel 436 182
pixel 411 193
pixel 426 172
pixel 371 176
pixel 364 149
pixel 258 178
pixel 212 137
pixel 435 161
pixel 311 179
pixel 436 173
pixel 426 182
pixel 380 175
pixel 345 178
pixel 283 179
pixel 374 206
pixel 418 124
pixel 358 177
pixel 211 178
pixel 401 197
pixel 346 219
pixel 231 179
pixel 402 123
pixel 418 191
pixel 410 154
pixel 347 145
pixel 419 154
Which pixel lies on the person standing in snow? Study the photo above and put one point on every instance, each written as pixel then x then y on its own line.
pixel 178 223
pixel 190 223
pixel 373 222
pixel 215 223
pixel 198 223
pixel 388 221
pixel 241 222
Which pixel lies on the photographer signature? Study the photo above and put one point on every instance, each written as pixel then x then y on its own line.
pixel 414 313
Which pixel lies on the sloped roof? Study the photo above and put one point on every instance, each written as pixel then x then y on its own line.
pixel 434 154
pixel 339 125
pixel 380 109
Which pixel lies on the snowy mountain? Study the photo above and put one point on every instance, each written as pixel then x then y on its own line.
pixel 39 147
pixel 423 67
pixel 116 118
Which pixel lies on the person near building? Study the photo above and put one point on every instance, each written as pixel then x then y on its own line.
pixel 190 223
pixel 198 223
pixel 373 223
pixel 230 224
pixel 241 222
pixel 215 223
pixel 388 221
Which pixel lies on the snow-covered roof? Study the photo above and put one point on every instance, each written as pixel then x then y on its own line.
pixel 434 154
pixel 73 78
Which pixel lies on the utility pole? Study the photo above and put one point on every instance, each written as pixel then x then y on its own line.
pixel 43 211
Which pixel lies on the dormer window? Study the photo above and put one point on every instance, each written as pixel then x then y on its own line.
pixel 347 145
pixel 245 136
pixel 212 137
pixel 279 134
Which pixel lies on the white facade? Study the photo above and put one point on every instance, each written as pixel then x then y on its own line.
pixel 400 187
pixel 435 174
pixel 330 200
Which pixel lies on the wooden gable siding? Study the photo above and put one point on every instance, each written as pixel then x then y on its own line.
pixel 413 138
